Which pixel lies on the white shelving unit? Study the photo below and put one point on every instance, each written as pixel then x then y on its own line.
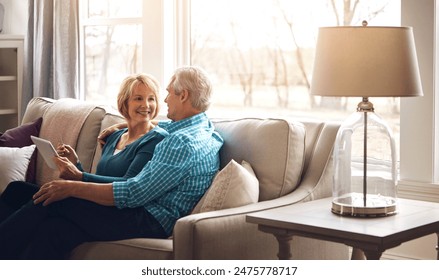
pixel 11 80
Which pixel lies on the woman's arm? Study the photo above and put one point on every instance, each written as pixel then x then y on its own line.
pixel 136 166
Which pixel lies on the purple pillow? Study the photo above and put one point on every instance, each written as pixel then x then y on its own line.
pixel 19 137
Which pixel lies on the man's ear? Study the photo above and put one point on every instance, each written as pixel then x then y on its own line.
pixel 184 96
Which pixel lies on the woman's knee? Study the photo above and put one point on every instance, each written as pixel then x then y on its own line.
pixel 18 193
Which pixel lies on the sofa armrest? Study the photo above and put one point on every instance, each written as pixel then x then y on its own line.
pixel 225 234
pixel 222 234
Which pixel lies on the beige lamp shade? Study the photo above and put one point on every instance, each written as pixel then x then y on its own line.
pixel 366 61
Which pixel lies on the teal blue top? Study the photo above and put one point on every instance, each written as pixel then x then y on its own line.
pixel 128 162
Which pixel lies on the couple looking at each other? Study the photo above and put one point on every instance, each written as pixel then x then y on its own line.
pixel 168 171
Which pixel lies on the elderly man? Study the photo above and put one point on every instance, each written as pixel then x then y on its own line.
pixel 65 213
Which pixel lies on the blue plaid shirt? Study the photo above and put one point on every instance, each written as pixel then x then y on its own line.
pixel 179 173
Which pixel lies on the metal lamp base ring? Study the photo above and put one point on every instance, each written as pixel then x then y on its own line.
pixel 348 210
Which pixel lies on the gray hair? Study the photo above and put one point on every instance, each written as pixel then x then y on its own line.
pixel 196 81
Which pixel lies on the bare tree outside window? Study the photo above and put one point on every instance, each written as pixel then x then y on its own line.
pixel 259 53
pixel 112 36
pixel 262 57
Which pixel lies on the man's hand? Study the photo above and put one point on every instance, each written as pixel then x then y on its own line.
pixel 108 131
pixel 67 170
pixel 53 191
pixel 60 189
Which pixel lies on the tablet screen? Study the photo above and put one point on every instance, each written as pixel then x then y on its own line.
pixel 46 149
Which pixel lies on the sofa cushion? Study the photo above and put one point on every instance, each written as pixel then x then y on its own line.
pixel 128 249
pixel 17 164
pixel 20 137
pixel 235 185
pixel 279 167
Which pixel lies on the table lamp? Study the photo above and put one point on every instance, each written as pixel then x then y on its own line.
pixel 365 62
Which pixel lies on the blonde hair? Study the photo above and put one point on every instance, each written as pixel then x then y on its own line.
pixel 127 87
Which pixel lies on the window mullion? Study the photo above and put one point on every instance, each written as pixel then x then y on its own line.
pixel 111 21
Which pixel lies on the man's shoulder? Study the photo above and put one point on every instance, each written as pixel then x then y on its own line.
pixel 160 132
pixel 197 128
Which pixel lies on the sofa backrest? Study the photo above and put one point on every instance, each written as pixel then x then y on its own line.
pixel 284 154
pixel 111 117
pixel 275 148
pixel 87 139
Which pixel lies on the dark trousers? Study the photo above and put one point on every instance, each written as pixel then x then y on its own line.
pixel 15 195
pixel 51 232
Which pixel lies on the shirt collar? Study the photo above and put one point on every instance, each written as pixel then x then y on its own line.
pixel 196 120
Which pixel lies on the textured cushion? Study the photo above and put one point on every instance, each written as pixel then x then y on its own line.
pixel 275 148
pixel 20 137
pixel 17 160
pixel 235 185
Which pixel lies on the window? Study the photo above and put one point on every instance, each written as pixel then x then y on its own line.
pixel 200 31
pixel 111 46
pixel 261 60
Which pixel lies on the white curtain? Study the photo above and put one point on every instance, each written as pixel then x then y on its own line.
pixel 51 50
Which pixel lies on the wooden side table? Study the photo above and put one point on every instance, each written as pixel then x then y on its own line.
pixel 371 236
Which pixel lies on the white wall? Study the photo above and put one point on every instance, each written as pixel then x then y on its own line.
pixel 15 21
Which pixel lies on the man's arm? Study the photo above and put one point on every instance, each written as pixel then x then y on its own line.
pixel 109 130
pixel 171 163
pixel 58 190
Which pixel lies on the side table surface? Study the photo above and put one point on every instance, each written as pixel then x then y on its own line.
pixel 314 219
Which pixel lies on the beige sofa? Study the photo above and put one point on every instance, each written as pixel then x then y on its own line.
pixel 290 159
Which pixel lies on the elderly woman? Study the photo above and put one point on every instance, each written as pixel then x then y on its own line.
pixel 123 156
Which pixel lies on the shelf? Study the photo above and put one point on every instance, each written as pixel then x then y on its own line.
pixel 8 78
pixel 8 111
pixel 11 80
pixel 9 37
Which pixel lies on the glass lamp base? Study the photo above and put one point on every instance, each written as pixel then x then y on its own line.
pixel 353 205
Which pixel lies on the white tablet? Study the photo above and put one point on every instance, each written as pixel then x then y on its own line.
pixel 47 150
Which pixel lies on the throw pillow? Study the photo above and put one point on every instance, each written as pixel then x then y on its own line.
pixel 15 162
pixel 235 185
pixel 20 137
